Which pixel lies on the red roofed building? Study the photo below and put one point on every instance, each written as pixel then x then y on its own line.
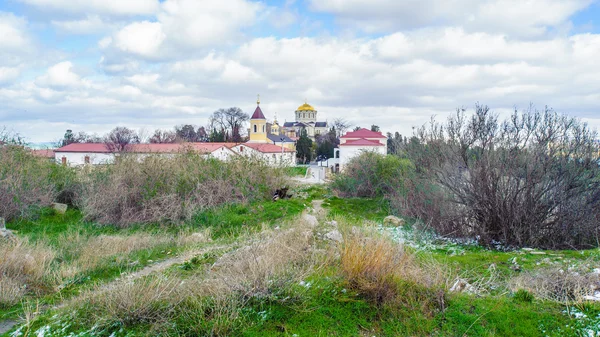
pixel 97 153
pixel 355 142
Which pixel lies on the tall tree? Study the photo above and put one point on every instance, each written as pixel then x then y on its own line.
pixel 201 134
pixel 304 147
pixel 81 137
pixel 118 139
pixel 375 128
pixel 232 121
pixel 216 136
pixel 163 137
pixel 186 133
pixel 326 143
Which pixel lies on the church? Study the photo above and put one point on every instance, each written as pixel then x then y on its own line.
pixel 306 118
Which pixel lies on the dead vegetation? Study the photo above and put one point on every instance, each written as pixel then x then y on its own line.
pixel 171 189
pixel 385 274
pixel 556 284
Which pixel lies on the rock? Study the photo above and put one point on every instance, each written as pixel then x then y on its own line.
pixel 332 223
pixel 6 234
pixel 394 221
pixel 60 208
pixel 527 249
pixel 310 219
pixel 334 235
pixel 537 253
pixel 462 286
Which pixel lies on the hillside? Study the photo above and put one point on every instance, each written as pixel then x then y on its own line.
pixel 312 265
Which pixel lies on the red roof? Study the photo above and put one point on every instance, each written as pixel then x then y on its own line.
pixel 361 142
pixel 258 114
pixel 84 147
pixel 146 148
pixel 363 133
pixel 267 148
pixel 47 153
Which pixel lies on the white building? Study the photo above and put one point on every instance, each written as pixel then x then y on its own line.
pixel 306 119
pixel 354 143
pixel 272 154
pixel 78 154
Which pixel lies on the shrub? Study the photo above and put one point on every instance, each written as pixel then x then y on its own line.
pixel 531 180
pixel 25 182
pixel 373 175
pixel 171 189
pixel 523 295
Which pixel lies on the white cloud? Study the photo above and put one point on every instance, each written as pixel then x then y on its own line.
pixel 110 7
pixel 60 76
pixel 140 38
pixel 92 24
pixel 184 25
pixel 516 17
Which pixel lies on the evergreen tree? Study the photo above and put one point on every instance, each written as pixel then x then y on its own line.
pixel 304 147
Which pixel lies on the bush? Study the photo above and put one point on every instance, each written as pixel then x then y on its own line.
pixel 373 175
pixel 171 189
pixel 531 180
pixel 25 182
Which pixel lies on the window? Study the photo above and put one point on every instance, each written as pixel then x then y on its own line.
pixel 263 129
pixel 304 115
pixel 254 128
pixel 64 160
pixel 86 159
pixel 241 147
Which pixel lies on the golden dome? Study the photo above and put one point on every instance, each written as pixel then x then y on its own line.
pixel 306 107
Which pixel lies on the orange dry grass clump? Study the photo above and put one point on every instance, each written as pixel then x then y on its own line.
pixel 383 272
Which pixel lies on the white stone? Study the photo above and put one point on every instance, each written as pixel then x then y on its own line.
pixel 310 219
pixel 60 208
pixel 394 221
pixel 334 235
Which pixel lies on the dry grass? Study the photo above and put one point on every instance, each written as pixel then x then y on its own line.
pixel 26 265
pixel 384 273
pixel 91 252
pixel 11 291
pixel 556 284
pixel 267 265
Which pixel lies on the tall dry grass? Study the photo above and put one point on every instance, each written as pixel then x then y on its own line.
pixel 24 267
pixel 385 274
pixel 171 189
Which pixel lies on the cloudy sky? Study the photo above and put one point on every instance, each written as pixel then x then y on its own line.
pixel 90 65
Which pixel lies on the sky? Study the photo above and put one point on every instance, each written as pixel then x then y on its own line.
pixel 91 65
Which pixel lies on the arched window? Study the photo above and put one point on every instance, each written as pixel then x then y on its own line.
pixel 304 115
pixel 263 129
pixel 254 128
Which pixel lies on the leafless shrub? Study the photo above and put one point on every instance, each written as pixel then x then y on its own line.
pixel 171 189
pixel 529 180
pixel 557 284
pixel 24 182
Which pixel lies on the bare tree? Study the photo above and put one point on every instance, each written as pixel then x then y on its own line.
pixel 341 126
pixel 10 137
pixel 232 120
pixel 186 133
pixel 119 138
pixel 163 137
pixel 529 180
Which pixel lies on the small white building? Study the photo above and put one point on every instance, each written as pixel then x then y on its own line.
pixel 355 142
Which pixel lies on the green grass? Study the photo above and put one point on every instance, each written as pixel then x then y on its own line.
pixel 358 208
pixel 231 220
pixel 296 171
